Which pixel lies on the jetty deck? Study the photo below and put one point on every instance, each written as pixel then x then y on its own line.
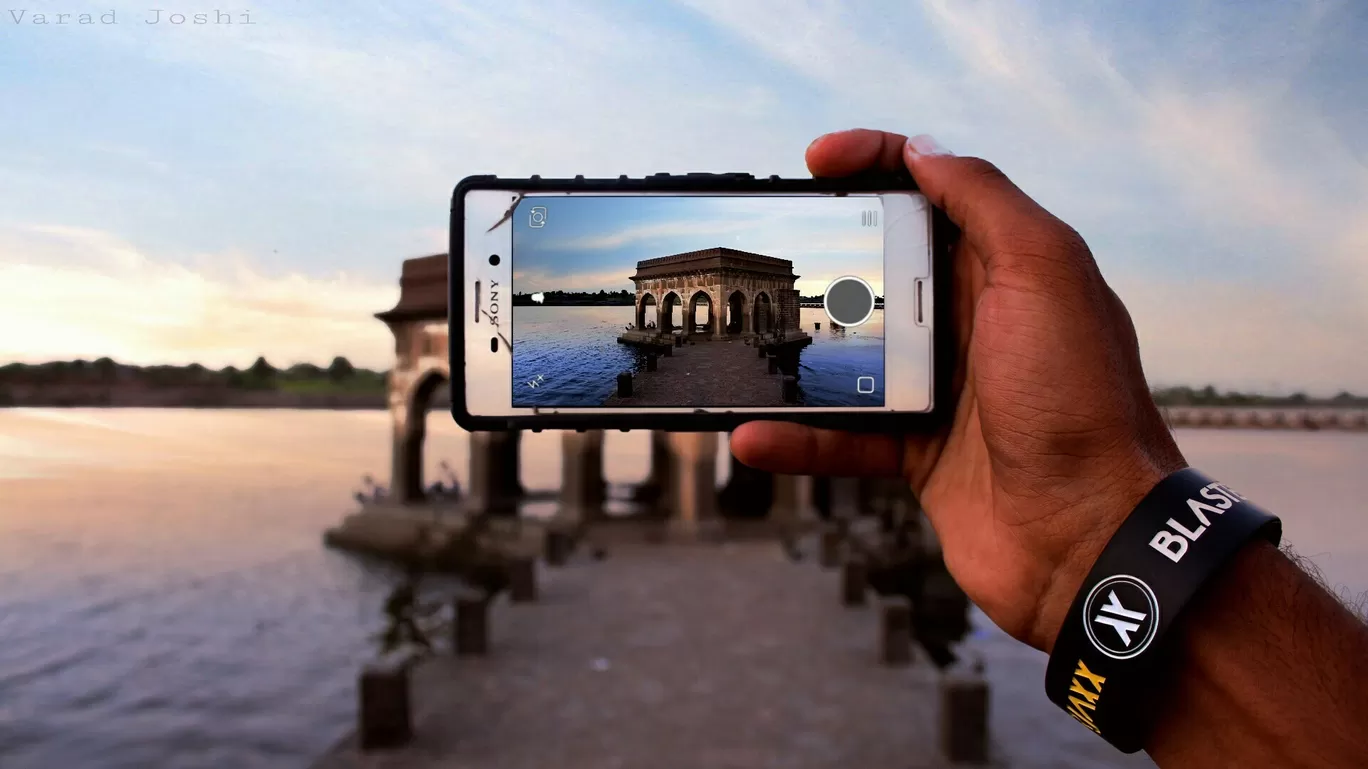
pixel 708 374
pixel 679 657
pixel 730 656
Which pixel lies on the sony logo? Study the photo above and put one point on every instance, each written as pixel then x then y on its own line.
pixel 1087 695
pixel 1175 545
pixel 493 311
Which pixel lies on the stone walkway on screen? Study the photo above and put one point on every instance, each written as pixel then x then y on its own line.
pixel 709 374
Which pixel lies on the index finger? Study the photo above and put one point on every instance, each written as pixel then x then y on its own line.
pixel 793 449
pixel 860 149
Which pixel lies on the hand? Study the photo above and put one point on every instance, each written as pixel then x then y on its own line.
pixel 1055 437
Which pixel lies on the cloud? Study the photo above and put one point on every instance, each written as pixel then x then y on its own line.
pixel 77 293
pixel 648 232
pixel 1192 148
pixel 1246 152
pixel 533 280
pixel 1184 169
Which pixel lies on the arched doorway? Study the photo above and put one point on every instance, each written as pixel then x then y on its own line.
pixel 736 313
pixel 493 482
pixel 763 320
pixel 643 318
pixel 692 324
pixel 408 456
pixel 667 312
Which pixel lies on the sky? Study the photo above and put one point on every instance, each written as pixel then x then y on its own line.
pixel 594 243
pixel 177 193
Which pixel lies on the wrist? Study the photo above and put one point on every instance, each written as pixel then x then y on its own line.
pixel 1119 629
pixel 1095 519
pixel 1262 620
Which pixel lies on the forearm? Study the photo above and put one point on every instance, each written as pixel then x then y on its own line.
pixel 1269 669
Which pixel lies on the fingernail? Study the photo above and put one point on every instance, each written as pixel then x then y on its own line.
pixel 926 145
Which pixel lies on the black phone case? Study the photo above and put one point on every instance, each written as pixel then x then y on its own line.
pixel 943 334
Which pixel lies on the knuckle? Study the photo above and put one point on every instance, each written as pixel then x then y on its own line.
pixel 982 170
pixel 1071 242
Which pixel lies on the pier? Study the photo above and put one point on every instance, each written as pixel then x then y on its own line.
pixel 657 658
pixel 713 374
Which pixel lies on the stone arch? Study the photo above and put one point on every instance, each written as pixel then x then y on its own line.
pixel 666 311
pixel 762 314
pixel 691 313
pixel 735 313
pixel 407 476
pixel 647 300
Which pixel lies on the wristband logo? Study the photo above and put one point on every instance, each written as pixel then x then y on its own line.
pixel 1121 616
pixel 1175 546
pixel 1085 688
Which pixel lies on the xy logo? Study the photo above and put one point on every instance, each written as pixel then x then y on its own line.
pixel 536 381
pixel 1121 616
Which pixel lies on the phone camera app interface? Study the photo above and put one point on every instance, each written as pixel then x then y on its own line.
pixel 694 301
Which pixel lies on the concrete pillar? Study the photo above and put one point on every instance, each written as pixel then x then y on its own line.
pixel 471 629
pixel 582 484
pixel 406 469
pixel 522 580
pixel 830 545
pixel 654 489
pixel 694 487
pixel 383 710
pixel 494 481
pixel 845 499
pixel 853 583
pixel 895 632
pixel 964 716
pixel 556 546
pixel 749 492
pixel 793 509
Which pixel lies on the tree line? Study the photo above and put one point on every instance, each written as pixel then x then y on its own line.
pixel 261 375
pixel 342 375
pixel 1210 396
pixel 570 298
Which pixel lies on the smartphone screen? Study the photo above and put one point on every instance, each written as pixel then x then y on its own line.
pixel 684 302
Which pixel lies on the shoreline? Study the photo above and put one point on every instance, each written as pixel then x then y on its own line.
pixel 176 398
pixel 1308 419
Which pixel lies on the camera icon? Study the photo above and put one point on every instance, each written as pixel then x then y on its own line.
pixel 537 217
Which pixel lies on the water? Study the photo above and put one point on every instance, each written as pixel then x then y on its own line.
pixel 165 599
pixel 573 356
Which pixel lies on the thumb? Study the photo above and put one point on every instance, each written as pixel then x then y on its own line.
pixel 993 214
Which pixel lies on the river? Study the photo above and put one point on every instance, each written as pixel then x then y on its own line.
pixel 165 600
pixel 574 355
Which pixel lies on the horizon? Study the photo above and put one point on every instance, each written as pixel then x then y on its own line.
pixel 1154 387
pixel 221 192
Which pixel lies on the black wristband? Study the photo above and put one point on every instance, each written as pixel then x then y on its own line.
pixel 1106 662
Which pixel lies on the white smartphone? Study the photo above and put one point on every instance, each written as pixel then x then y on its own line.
pixel 695 302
